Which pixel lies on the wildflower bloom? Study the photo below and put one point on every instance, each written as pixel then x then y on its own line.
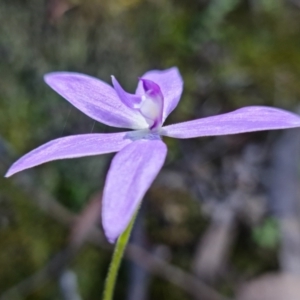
pixel 141 153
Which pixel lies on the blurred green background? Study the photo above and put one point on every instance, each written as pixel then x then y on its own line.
pixel 231 53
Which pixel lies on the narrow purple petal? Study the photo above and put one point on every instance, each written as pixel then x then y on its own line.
pixel 71 147
pixel 247 119
pixel 129 100
pixel 171 85
pixel 131 173
pixel 95 98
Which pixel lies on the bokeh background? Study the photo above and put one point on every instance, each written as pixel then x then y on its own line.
pixel 222 219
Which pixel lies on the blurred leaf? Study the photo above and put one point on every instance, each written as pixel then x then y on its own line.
pixel 267 234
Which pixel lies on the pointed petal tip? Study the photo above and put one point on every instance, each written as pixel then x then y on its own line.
pixel 52 78
pixel 14 169
pixel 11 171
pixel 48 76
pixel 8 174
pixel 111 238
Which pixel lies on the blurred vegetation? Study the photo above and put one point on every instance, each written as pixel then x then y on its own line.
pixel 231 53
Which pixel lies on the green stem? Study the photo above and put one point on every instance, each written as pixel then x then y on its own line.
pixel 110 281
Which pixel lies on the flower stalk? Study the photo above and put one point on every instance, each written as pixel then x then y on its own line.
pixel 115 263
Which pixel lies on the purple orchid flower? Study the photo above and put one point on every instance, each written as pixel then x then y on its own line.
pixel 141 153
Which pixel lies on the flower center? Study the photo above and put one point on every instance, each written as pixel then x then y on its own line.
pixel 151 105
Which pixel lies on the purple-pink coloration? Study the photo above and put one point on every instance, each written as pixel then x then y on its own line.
pixel 141 153
pixel 126 178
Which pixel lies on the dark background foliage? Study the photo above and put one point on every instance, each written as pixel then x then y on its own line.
pixel 224 209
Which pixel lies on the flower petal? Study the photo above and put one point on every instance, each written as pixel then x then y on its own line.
pixel 95 98
pixel 71 147
pixel 171 85
pixel 247 119
pixel 129 100
pixel 131 173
